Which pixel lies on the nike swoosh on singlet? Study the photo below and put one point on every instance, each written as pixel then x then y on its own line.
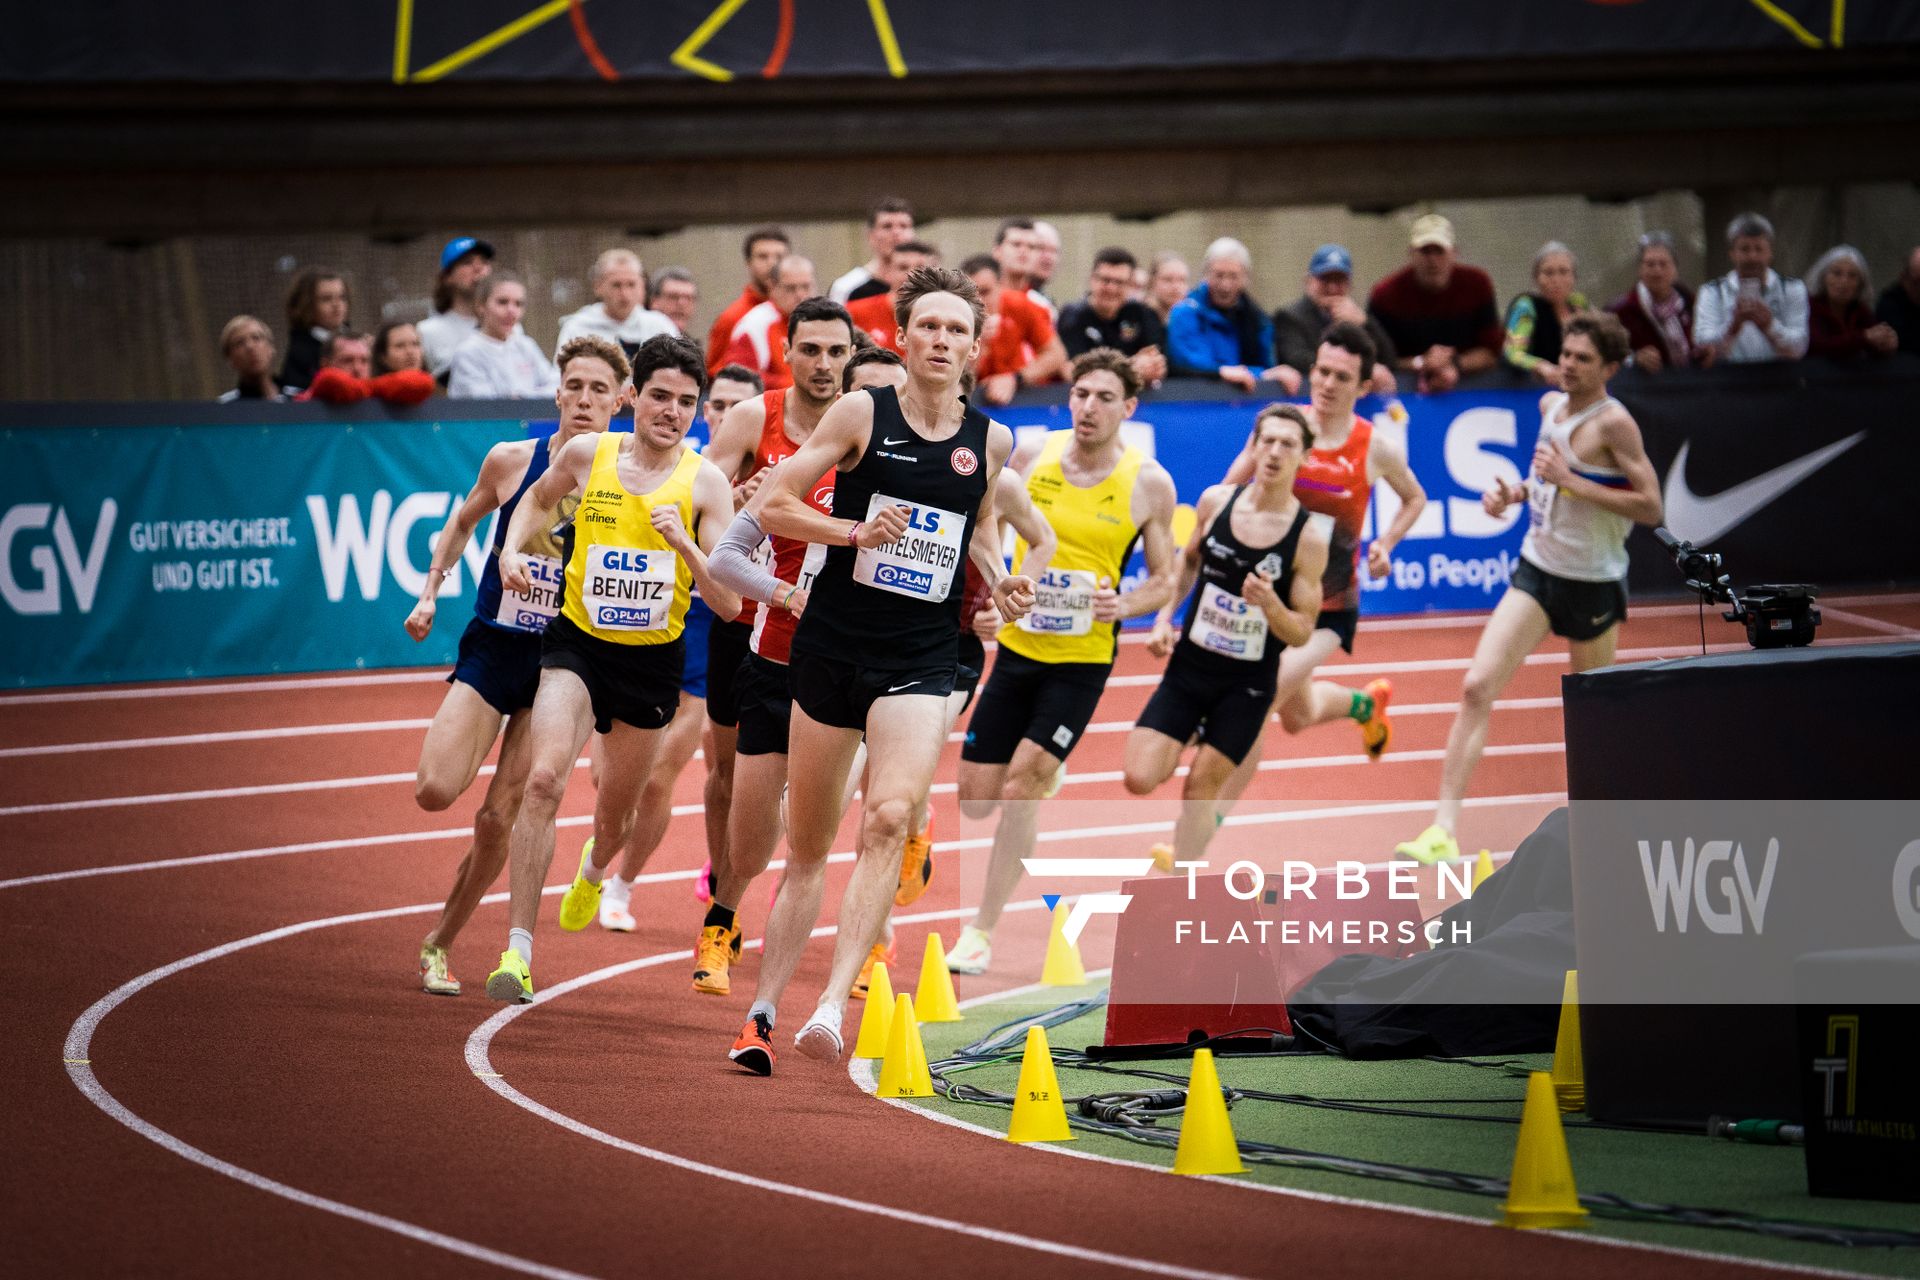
pixel 900 441
pixel 1699 519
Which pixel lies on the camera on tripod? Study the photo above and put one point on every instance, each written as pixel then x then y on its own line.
pixel 1777 615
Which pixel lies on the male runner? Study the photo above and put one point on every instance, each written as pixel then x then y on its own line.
pixel 612 660
pixel 1591 483
pixel 877 649
pixel 1101 497
pixel 499 663
pixel 1251 543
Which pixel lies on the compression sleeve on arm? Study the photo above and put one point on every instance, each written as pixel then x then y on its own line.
pixel 733 564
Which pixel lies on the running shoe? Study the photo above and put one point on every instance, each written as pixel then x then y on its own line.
pixel 1162 855
pixel 882 953
pixel 711 956
pixel 1059 781
pixel 435 977
pixel 512 981
pixel 972 953
pixel 753 1047
pixel 1376 731
pixel 1435 844
pixel 820 1037
pixel 916 866
pixel 616 907
pixel 577 909
pixel 703 883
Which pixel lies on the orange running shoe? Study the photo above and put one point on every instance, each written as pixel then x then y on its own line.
pixel 882 953
pixel 753 1047
pixel 711 956
pixel 916 866
pixel 1376 731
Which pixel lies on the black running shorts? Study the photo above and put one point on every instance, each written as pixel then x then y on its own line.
pixel 1049 703
pixel 726 646
pixel 1226 708
pixel 841 693
pixel 766 707
pixel 634 684
pixel 1575 610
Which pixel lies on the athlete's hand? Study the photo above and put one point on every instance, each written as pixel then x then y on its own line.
pixel 1379 560
pixel 883 527
pixel 1496 500
pixel 666 523
pixel 1258 591
pixel 1013 596
pixel 986 623
pixel 1106 601
pixel 1551 465
pixel 743 492
pixel 420 621
pixel 795 604
pixel 513 571
pixel 1161 639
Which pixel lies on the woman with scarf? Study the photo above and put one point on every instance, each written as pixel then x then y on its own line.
pixel 1658 310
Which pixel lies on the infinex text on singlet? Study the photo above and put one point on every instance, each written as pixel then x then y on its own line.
pixel 921 564
pixel 1228 625
pixel 534 608
pixel 1062 603
pixel 628 590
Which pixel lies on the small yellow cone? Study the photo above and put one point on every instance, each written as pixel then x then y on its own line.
pixel 877 1018
pixel 1039 1115
pixel 1482 868
pixel 933 999
pixel 1206 1135
pixel 903 1072
pixel 1541 1193
pixel 1063 967
pixel 1569 1069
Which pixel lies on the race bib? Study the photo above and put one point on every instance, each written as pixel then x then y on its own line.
pixel 1062 603
pixel 628 590
pixel 535 608
pixel 1540 496
pixel 922 563
pixel 1226 624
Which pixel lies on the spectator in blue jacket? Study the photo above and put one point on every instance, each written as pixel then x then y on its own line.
pixel 1218 331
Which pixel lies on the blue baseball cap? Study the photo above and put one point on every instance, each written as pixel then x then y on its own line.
pixel 1331 258
pixel 459 247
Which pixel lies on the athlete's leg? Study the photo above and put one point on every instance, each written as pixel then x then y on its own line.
pixel 1597 652
pixel 630 754
pixel 1151 758
pixel 457 743
pixel 1517 626
pixel 1206 775
pixel 717 794
pixel 678 741
pixel 753 825
pixel 562 718
pixel 1026 779
pixel 980 788
pixel 492 830
pixel 1292 688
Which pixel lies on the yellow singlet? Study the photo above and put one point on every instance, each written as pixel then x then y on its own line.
pixel 624 583
pixel 1096 532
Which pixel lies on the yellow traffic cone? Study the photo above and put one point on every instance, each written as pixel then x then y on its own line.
pixel 933 999
pixel 1063 967
pixel 1482 868
pixel 1541 1194
pixel 1039 1115
pixel 903 1072
pixel 877 1018
pixel 1569 1069
pixel 1206 1135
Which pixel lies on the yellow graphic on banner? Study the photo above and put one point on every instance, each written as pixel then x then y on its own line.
pixel 1836 24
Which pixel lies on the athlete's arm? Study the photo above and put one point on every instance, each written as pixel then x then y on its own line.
pixel 1387 462
pixel 1011 504
pixel 465 517
pixel 713 511
pixel 1187 570
pixel 1154 499
pixel 1012 592
pixel 1640 502
pixel 1294 625
pixel 567 472
pixel 1241 470
pixel 735 436
pixel 836 444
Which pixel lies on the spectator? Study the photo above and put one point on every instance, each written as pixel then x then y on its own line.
pixel 763 249
pixel 1839 323
pixel 759 338
pixel 1107 318
pixel 1168 283
pixel 889 224
pixel 1658 310
pixel 1018 346
pixel 346 375
pixel 1326 300
pixel 873 316
pixel 1900 304
pixel 247 344
pixel 1016 248
pixel 498 361
pixel 1046 261
pixel 396 348
pixel 1752 314
pixel 317 304
pixel 1536 320
pixel 620 285
pixel 1218 331
pixel 675 294
pixel 1438 311
pixel 464 263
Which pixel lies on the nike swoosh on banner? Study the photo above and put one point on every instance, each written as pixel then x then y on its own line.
pixel 1700 519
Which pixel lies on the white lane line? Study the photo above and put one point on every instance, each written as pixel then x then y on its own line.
pixel 203 739
pixel 265 684
pixel 1871 624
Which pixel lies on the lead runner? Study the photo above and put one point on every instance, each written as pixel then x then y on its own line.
pixel 877 649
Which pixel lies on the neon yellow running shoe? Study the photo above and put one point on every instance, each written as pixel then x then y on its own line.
pixel 582 902
pixel 512 981
pixel 1435 844
pixel 436 976
pixel 1162 855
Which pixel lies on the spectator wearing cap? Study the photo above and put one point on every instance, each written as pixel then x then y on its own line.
pixel 498 361
pixel 1899 304
pixel 317 304
pixel 1536 321
pixel 674 294
pixel 1167 283
pixel 1218 331
pixel 620 286
pixel 1658 310
pixel 247 344
pixel 464 263
pixel 1439 312
pixel 1839 323
pixel 763 249
pixel 1107 317
pixel 1752 314
pixel 889 224
pixel 1018 344
pixel 1327 299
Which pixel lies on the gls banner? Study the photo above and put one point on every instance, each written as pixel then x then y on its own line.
pixel 146 553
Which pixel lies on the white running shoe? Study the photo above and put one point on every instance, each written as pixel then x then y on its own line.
pixel 616 904
pixel 820 1037
pixel 972 954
